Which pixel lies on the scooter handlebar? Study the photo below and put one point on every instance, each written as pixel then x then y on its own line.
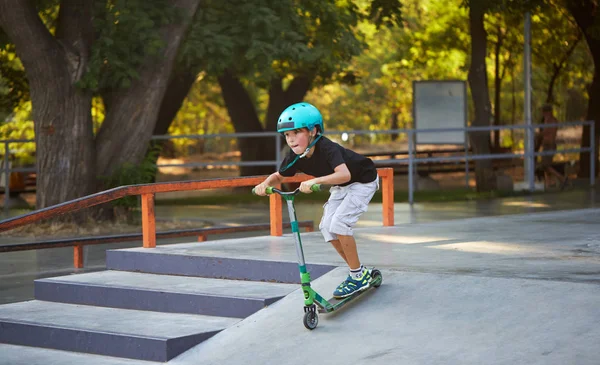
pixel 270 190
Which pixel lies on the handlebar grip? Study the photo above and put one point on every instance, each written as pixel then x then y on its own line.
pixel 269 190
pixel 316 187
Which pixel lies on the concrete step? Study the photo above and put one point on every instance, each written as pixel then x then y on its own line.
pixel 163 293
pixel 133 334
pixel 25 355
pixel 179 260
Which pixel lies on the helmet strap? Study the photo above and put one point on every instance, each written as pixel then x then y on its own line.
pixel 310 146
pixel 304 153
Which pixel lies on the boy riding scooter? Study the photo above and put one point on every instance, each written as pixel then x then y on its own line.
pixel 353 178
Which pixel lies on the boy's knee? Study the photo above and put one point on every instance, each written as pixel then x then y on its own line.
pixel 341 226
pixel 327 235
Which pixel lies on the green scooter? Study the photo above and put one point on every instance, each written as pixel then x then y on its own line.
pixel 312 299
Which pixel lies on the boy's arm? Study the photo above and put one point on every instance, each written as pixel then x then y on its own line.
pixel 273 179
pixel 340 175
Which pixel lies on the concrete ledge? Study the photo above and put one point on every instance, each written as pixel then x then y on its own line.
pixel 111 344
pixel 124 333
pixel 212 267
pixel 151 300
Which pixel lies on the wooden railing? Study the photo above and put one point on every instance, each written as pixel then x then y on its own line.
pixel 148 192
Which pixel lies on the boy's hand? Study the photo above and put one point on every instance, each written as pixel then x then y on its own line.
pixel 260 189
pixel 305 186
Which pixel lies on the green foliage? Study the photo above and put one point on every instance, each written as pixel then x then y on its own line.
pixel 364 67
pixel 258 40
pixel 19 126
pixel 127 35
pixel 131 174
pixel 430 45
pixel 14 88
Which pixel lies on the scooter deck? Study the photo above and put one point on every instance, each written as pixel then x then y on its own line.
pixel 337 303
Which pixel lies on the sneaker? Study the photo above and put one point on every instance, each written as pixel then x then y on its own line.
pixel 351 286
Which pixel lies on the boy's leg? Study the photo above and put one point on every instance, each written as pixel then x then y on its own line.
pixel 338 247
pixel 348 245
pixel 354 205
pixel 329 210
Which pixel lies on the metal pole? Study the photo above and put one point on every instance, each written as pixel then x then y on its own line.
pixel 410 167
pixel 593 153
pixel 529 157
pixel 7 177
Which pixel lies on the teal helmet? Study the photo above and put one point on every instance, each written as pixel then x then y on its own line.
pixel 300 115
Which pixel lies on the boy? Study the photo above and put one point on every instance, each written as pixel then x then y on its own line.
pixel 353 176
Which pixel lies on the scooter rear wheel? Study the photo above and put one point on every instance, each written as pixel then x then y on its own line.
pixel 311 319
pixel 375 274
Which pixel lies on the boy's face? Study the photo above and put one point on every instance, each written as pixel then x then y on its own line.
pixel 297 139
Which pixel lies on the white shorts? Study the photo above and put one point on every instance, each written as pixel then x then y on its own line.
pixel 345 205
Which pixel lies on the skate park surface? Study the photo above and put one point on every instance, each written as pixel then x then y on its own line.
pixel 512 289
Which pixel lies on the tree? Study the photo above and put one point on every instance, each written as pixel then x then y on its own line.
pixel 283 47
pixel 478 82
pixel 78 58
pixel 54 64
pixel 585 13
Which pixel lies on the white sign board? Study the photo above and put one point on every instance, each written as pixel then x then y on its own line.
pixel 440 104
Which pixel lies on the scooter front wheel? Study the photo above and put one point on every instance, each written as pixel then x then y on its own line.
pixel 311 319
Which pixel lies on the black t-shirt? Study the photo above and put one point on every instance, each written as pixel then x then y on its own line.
pixel 326 157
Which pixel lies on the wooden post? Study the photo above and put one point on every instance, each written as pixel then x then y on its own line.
pixel 78 256
pixel 148 221
pixel 387 191
pixel 276 220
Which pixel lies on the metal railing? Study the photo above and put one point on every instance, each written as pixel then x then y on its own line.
pixel 412 160
pixel 147 193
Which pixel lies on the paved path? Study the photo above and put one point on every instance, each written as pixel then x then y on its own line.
pixel 19 269
pixel 514 289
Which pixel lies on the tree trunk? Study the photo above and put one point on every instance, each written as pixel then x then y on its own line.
pixel 133 112
pixel 394 124
pixel 178 88
pixel 61 111
pixel 557 68
pixel 280 99
pixel 480 141
pixel 585 12
pixel 245 119
pixel 592 114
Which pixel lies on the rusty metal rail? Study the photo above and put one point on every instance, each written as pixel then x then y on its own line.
pixel 148 192
pixel 79 242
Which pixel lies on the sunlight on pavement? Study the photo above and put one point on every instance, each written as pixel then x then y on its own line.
pixel 486 247
pixel 407 240
pixel 369 223
pixel 526 204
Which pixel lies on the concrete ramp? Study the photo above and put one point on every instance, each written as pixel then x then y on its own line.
pixel 420 318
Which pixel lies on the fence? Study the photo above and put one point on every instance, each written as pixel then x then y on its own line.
pixel 412 161
pixel 147 192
